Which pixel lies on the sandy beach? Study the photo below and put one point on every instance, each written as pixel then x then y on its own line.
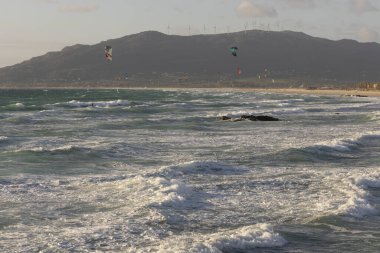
pixel 332 92
pixel 364 93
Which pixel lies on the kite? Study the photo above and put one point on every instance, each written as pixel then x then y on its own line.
pixel 234 50
pixel 108 53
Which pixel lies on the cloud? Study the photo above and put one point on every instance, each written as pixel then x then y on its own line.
pixel 360 6
pixel 80 8
pixel 248 10
pixel 301 4
pixel 367 35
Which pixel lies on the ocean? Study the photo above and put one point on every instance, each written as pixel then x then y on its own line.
pixel 157 171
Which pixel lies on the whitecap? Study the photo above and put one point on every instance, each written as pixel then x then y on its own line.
pixel 113 103
pixel 167 191
pixel 46 149
pixel 16 105
pixel 346 145
pixel 355 200
pixel 288 111
pixel 232 113
pixel 202 168
pixel 257 236
pixel 239 240
pixel 370 181
pixel 147 191
pixel 358 204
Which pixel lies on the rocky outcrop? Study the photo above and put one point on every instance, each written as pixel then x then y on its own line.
pixel 250 117
pixel 259 118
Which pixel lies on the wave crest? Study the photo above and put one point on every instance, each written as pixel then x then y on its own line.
pixel 78 104
pixel 202 167
pixel 239 240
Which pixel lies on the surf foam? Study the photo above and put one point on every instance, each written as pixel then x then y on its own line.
pixel 3 138
pixel 76 103
pixel 347 145
pixel 202 168
pixel 355 188
pixel 239 240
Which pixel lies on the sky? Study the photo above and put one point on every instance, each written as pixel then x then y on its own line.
pixel 30 28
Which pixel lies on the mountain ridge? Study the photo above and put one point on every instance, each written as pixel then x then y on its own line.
pixel 152 56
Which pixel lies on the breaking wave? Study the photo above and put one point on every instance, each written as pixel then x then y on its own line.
pixel 78 104
pixel 66 148
pixel 239 240
pixel 3 139
pixel 330 150
pixel 202 168
pixel 360 201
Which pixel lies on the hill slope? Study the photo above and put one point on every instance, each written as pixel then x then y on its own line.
pixel 155 56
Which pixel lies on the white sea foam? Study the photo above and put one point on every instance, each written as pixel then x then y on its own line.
pixel 375 116
pixel 202 168
pixel 335 145
pixel 117 229
pixel 358 204
pixel 238 113
pixel 76 103
pixel 175 105
pixel 239 240
pixel 54 145
pixel 288 111
pixel 17 105
pixel 355 200
pixel 142 191
pixel 169 191
pixel 45 148
pixel 231 113
pixel 261 235
pixel 348 145
pixel 369 181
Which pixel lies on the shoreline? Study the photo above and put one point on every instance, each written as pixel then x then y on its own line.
pixel 331 92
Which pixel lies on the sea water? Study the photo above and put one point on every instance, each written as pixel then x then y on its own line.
pixel 158 171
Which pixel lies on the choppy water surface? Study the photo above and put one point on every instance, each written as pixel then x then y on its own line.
pixel 156 171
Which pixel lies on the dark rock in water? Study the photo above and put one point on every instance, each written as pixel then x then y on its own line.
pixel 225 118
pixel 244 116
pixel 266 118
pixel 251 117
pixel 358 95
pixel 259 118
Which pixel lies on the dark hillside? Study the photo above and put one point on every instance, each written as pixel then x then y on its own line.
pixel 153 56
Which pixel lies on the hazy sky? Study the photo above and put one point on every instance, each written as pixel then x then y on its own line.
pixel 31 28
